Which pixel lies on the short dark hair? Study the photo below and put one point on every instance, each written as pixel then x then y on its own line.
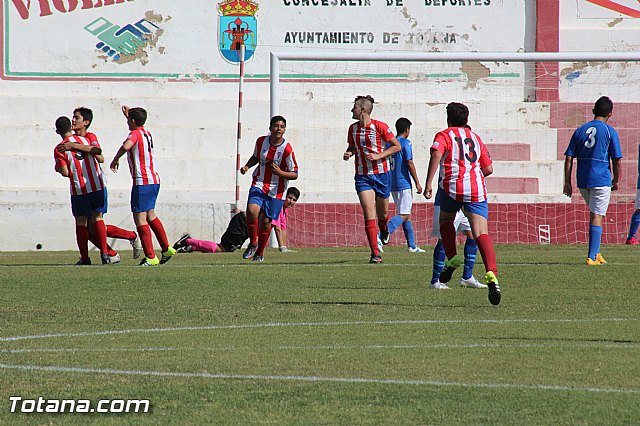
pixel 603 107
pixel 86 114
pixel 368 102
pixel 457 114
pixel 365 97
pixel 293 191
pixel 138 115
pixel 277 118
pixel 63 125
pixel 402 124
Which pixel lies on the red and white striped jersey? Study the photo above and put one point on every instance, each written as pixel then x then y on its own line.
pixel 85 174
pixel 463 156
pixel 140 156
pixel 369 139
pixel 263 177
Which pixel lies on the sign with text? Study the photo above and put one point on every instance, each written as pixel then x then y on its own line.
pixel 123 39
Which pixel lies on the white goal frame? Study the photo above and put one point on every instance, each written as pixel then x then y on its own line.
pixel 277 57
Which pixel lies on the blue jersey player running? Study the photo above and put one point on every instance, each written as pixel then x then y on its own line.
pixel 595 144
pixel 402 171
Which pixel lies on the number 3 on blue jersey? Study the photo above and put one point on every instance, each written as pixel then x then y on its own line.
pixel 591 131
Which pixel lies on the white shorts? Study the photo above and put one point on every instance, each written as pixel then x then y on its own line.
pixel 460 223
pixel 637 205
pixel 597 199
pixel 403 200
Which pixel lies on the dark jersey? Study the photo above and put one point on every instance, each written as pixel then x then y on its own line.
pixel 236 233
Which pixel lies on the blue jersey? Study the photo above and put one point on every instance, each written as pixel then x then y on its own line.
pixel 594 144
pixel 400 176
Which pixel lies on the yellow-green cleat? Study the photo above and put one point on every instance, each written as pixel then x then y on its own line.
pixel 167 255
pixel 494 289
pixel 150 262
pixel 450 266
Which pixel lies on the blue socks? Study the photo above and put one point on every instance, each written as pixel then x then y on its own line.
pixel 407 227
pixel 393 223
pixel 595 236
pixel 470 251
pixel 635 223
pixel 439 257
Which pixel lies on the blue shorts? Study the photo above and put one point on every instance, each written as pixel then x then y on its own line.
pixel 143 197
pixel 449 205
pixel 380 184
pixel 269 205
pixel 88 204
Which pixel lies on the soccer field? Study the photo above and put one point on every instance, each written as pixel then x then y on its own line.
pixel 319 336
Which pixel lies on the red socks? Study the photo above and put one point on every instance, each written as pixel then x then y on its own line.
pixel 161 235
pixel 263 240
pixel 82 238
pixel 119 233
pixel 252 228
pixel 372 235
pixel 144 232
pixel 487 252
pixel 448 237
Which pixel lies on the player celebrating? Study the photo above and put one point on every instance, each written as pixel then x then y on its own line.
pixel 88 201
pixel 277 166
pixel 366 139
pixel 464 162
pixel 146 185
pixel 82 118
pixel 595 144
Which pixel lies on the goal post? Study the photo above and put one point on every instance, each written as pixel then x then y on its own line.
pixel 524 105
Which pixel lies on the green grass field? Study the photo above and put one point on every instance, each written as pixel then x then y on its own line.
pixel 319 336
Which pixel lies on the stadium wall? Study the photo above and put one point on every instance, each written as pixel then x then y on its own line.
pixel 174 59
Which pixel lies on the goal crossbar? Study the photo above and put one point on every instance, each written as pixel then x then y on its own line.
pixel 298 55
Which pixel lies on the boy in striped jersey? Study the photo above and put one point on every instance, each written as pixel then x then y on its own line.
pixel 366 140
pixel 80 122
pixel 464 162
pixel 88 201
pixel 276 167
pixel 146 185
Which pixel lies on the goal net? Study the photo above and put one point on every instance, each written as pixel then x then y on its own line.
pixel 525 106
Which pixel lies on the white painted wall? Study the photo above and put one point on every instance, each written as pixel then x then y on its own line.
pixel 51 66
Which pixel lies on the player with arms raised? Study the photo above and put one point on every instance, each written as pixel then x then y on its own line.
pixel 464 162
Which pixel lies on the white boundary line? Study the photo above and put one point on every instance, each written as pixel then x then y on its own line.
pixel 306 324
pixel 600 345
pixel 350 380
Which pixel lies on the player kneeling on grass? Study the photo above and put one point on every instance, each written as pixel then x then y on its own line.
pixel 236 233
pixel 276 167
pixel 463 158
